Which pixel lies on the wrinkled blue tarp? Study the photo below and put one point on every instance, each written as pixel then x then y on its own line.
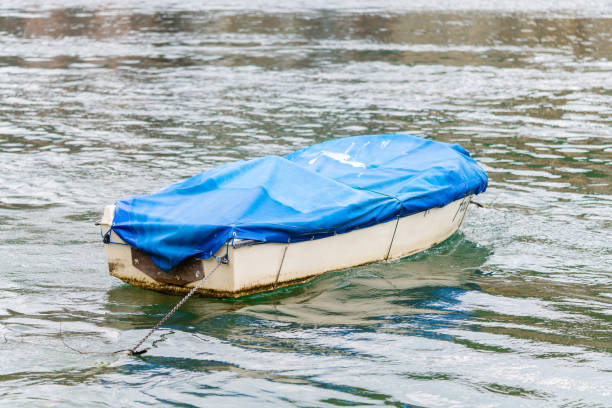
pixel 328 188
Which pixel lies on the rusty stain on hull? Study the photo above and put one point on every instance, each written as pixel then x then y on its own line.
pixel 188 271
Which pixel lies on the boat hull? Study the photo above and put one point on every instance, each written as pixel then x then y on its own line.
pixel 257 267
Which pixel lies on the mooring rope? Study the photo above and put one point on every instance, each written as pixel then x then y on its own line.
pixel 134 350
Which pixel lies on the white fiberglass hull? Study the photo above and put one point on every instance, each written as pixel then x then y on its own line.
pixel 255 267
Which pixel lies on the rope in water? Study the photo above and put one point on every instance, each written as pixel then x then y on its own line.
pixel 134 350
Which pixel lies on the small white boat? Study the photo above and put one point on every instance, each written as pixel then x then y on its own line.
pixel 273 222
pixel 255 267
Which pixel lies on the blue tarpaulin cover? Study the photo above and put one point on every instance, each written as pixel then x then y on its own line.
pixel 328 188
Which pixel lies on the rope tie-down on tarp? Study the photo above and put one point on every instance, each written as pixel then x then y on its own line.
pixel 396 218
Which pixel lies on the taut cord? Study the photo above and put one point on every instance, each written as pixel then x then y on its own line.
pixel 134 350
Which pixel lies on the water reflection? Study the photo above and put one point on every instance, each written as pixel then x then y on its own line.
pixel 98 103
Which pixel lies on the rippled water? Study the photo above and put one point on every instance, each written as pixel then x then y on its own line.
pixel 99 102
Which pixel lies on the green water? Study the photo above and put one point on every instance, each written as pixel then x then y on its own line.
pixel 103 101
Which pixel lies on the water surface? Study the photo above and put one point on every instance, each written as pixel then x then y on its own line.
pixel 103 101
